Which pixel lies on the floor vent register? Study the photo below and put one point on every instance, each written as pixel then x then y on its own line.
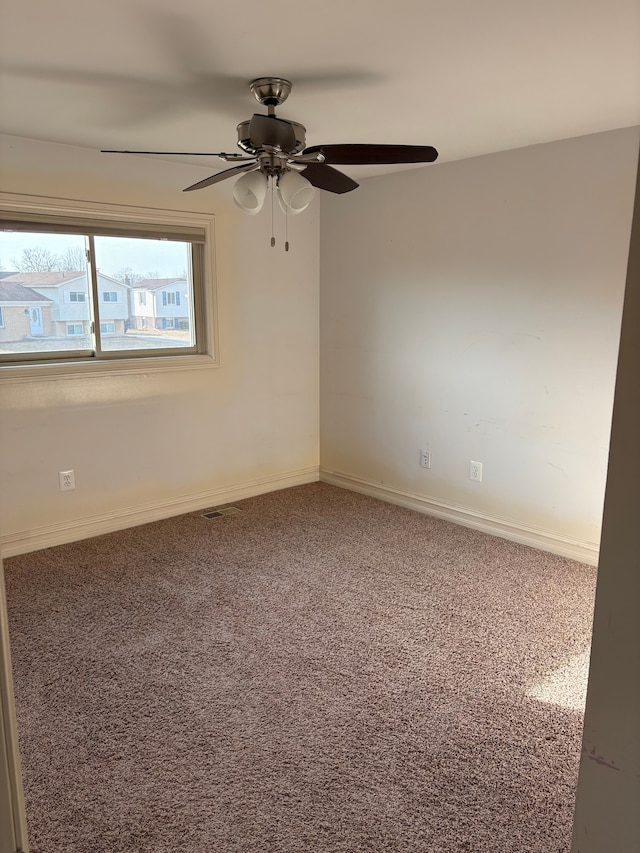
pixel 220 513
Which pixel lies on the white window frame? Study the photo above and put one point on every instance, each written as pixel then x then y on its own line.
pixel 75 334
pixel 170 297
pixel 53 210
pixel 105 331
pixel 109 293
pixel 80 296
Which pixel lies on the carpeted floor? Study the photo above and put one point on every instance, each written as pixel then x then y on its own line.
pixel 320 673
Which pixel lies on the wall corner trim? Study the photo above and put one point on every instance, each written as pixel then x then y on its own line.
pixel 543 540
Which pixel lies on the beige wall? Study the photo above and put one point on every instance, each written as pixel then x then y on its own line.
pixel 154 439
pixel 474 307
pixel 471 307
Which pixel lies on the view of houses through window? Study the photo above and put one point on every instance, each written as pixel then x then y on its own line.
pixel 142 298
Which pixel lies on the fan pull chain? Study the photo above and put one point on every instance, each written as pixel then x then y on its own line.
pixel 273 239
pixel 286 229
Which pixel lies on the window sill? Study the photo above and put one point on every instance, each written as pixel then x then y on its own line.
pixel 82 369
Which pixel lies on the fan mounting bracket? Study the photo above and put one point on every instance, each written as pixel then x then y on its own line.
pixel 270 91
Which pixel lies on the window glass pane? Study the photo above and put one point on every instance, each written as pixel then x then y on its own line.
pixel 148 288
pixel 145 290
pixel 44 293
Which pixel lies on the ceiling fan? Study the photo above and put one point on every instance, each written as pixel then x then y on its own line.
pixel 274 148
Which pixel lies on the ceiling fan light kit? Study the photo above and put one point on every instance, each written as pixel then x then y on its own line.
pixel 250 191
pixel 274 151
pixel 295 192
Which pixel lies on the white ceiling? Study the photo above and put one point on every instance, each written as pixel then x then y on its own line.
pixel 467 76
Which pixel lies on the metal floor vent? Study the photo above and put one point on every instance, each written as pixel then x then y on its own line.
pixel 219 513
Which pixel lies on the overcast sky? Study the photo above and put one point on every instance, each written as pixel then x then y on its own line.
pixel 167 258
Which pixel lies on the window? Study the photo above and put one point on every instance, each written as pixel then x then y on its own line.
pixel 168 323
pixel 47 241
pixel 1 317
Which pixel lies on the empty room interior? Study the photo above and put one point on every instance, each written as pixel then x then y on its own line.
pixel 405 394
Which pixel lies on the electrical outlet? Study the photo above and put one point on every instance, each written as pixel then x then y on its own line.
pixel 425 458
pixel 475 471
pixel 67 480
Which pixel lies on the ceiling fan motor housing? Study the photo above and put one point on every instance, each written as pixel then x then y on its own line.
pixel 244 137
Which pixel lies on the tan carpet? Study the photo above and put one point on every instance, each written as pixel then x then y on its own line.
pixel 321 672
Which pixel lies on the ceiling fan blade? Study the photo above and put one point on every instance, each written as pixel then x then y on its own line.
pixel 326 178
pixel 355 155
pixel 181 154
pixel 270 130
pixel 221 176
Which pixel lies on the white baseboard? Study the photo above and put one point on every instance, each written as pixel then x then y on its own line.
pixel 544 540
pixel 84 528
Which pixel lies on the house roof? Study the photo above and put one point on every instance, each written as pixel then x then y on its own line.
pixel 56 278
pixel 45 279
pixel 156 283
pixel 13 291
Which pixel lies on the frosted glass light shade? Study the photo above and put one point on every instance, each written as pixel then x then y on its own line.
pixel 295 192
pixel 249 192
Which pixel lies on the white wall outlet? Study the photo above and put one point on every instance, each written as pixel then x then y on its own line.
pixel 67 480
pixel 475 471
pixel 425 458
